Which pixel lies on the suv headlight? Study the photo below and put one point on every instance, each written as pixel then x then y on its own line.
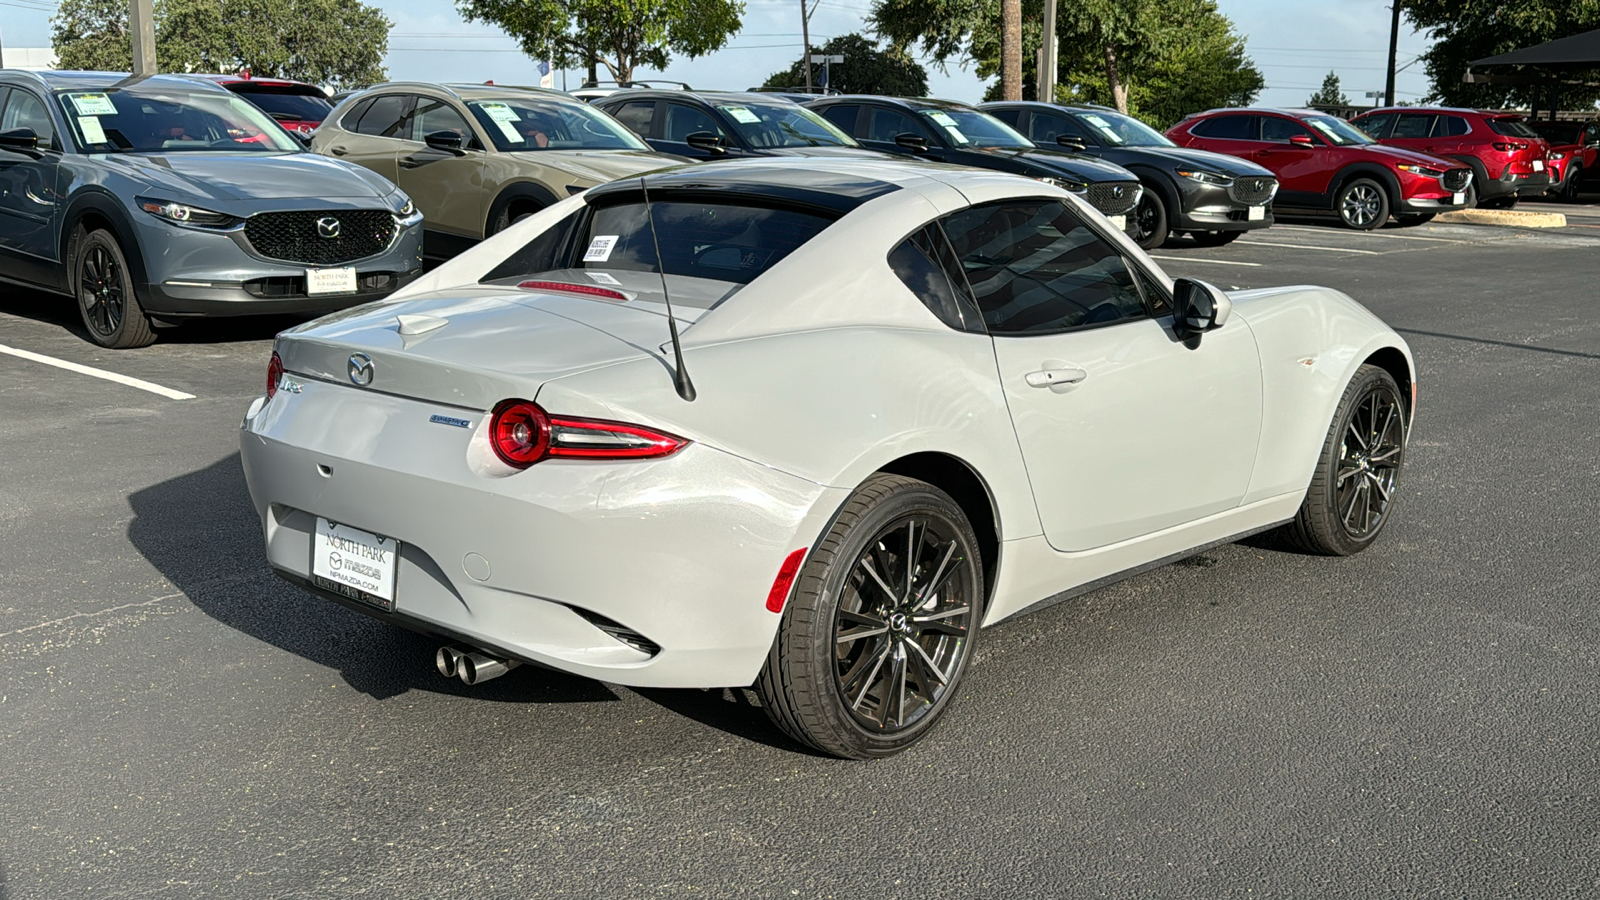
pixel 1424 171
pixel 184 214
pixel 1073 186
pixel 402 206
pixel 1206 177
pixel 1558 156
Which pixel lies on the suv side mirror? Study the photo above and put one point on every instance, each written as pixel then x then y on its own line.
pixel 705 140
pixel 1302 140
pixel 1200 307
pixel 914 142
pixel 448 141
pixel 19 139
pixel 1072 142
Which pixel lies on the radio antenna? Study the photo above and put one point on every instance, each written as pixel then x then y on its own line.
pixel 680 375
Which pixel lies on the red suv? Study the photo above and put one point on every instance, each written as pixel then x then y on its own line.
pixel 1574 147
pixel 1507 158
pixel 1324 163
pixel 298 107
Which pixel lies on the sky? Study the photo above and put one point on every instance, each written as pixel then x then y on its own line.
pixel 1294 43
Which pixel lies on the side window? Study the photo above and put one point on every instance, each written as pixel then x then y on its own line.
pixel 1412 125
pixel 1046 128
pixel 351 119
pixel 1279 130
pixel 1010 116
pixel 24 110
pixel 1035 268
pixel 436 115
pixel 1228 128
pixel 928 267
pixel 1451 126
pixel 637 116
pixel 1377 126
pixel 843 116
pixel 387 116
pixel 887 124
pixel 683 121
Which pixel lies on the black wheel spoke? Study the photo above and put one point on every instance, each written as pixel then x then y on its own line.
pixel 866 681
pixel 866 626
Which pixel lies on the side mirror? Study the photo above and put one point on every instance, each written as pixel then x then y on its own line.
pixel 1302 140
pixel 914 142
pixel 448 141
pixel 19 139
pixel 1198 307
pixel 1071 142
pixel 705 140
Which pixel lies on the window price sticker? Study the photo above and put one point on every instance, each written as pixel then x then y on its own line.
pixel 740 114
pixel 600 248
pixel 92 132
pixel 949 124
pixel 93 105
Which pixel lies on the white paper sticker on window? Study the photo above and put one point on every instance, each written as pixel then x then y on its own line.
pixel 602 278
pixel 510 131
pixel 1101 124
pixel 92 132
pixel 600 248
pixel 740 114
pixel 93 105
pixel 499 112
pixel 949 125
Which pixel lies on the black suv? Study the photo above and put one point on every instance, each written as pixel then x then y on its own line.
pixel 1210 196
pixel 950 132
pixel 704 125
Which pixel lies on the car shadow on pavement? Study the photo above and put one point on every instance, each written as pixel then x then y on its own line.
pixel 52 309
pixel 201 532
pixel 736 711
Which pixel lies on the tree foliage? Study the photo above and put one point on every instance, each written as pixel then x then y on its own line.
pixel 618 34
pixel 1330 94
pixel 1465 30
pixel 1159 59
pixel 865 70
pixel 339 43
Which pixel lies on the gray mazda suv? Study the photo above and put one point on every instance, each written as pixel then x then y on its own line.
pixel 151 200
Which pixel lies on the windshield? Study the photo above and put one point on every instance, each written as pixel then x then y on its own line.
pixel 1560 132
pixel 527 123
pixel 1118 130
pixel 150 119
pixel 1338 132
pixel 770 125
pixel 297 107
pixel 1512 128
pixel 970 128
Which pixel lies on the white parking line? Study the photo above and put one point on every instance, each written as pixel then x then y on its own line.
pixel 141 384
pixel 1219 262
pixel 1308 247
pixel 1385 235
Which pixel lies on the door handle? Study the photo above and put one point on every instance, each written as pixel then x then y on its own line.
pixel 411 162
pixel 1263 152
pixel 337 150
pixel 1062 376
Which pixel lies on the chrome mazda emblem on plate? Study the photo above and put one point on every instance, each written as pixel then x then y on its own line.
pixel 328 227
pixel 360 369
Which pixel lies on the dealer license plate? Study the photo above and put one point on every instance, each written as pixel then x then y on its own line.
pixel 330 281
pixel 354 563
pixel 1458 197
pixel 1538 165
pixel 1121 222
pixel 1256 213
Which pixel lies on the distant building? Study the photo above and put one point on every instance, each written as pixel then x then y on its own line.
pixel 33 58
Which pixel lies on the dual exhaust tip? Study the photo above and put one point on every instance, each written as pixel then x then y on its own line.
pixel 471 666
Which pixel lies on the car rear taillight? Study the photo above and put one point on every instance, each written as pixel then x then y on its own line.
pixel 587 290
pixel 1509 146
pixel 522 434
pixel 274 372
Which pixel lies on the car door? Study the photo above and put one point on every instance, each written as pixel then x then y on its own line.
pixel 883 125
pixel 683 119
pixel 372 134
pixel 447 186
pixel 1301 168
pixel 1044 128
pixel 1448 136
pixel 30 202
pixel 1125 429
pixel 1411 131
pixel 638 116
pixel 1236 134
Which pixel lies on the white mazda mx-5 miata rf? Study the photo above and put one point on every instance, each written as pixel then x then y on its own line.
pixel 808 425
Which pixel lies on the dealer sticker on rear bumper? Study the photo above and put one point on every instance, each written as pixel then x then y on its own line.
pixel 351 558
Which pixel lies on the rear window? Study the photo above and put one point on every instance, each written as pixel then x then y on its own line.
pixel 1511 128
pixel 714 240
pixel 298 107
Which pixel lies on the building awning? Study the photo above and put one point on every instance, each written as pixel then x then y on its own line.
pixel 1580 51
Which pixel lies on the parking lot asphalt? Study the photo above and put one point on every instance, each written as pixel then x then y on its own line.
pixel 1419 720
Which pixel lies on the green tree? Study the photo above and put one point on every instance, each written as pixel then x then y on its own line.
pixel 619 34
pixel 1465 30
pixel 339 43
pixel 865 70
pixel 1329 94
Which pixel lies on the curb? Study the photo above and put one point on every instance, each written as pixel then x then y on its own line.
pixel 1518 217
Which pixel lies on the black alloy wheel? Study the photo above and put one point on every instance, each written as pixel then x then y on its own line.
pixel 1352 493
pixel 104 289
pixel 881 624
pixel 1149 221
pixel 1214 238
pixel 1569 190
pixel 1362 204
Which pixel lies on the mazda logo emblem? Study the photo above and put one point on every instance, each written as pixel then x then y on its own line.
pixel 360 369
pixel 328 227
pixel 1118 191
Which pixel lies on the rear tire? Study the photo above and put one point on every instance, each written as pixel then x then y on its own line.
pixel 511 215
pixel 1352 492
pixel 877 634
pixel 1569 190
pixel 1362 204
pixel 103 287
pixel 1150 221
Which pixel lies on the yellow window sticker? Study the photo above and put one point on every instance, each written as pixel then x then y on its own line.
pixel 93 105
pixel 740 114
pixel 949 124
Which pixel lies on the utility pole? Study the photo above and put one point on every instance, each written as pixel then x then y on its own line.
pixel 1394 42
pixel 1046 76
pixel 141 23
pixel 805 38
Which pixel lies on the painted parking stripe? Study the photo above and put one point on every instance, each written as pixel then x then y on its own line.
pixel 1381 236
pixel 1309 247
pixel 1219 262
pixel 139 383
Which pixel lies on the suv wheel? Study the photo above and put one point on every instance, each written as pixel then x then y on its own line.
pixel 1569 191
pixel 1509 201
pixel 104 289
pixel 1362 204
pixel 1150 219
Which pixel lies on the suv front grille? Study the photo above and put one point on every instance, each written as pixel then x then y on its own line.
pixel 1113 198
pixel 1252 189
pixel 300 236
pixel 1456 179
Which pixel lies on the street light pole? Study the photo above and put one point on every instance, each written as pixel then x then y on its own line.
pixel 1394 42
pixel 1046 76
